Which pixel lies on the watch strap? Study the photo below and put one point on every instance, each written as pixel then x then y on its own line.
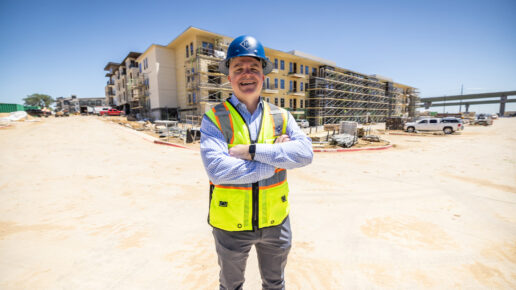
pixel 252 150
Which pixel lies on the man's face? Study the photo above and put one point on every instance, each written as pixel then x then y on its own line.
pixel 246 77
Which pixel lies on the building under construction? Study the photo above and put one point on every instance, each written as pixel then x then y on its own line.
pixel 336 94
pixel 181 81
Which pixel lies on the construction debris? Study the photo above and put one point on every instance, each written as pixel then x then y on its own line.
pixel 348 127
pixel 343 140
pixel 371 138
pixel 394 123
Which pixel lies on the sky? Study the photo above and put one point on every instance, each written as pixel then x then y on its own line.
pixel 60 48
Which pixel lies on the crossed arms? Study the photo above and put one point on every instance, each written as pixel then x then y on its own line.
pixel 234 166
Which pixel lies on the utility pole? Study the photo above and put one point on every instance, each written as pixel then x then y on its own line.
pixel 461 91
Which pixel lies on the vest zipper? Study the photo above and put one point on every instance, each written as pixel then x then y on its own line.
pixel 256 187
pixel 255 205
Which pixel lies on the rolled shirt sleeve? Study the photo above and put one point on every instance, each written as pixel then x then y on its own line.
pixel 288 155
pixel 222 168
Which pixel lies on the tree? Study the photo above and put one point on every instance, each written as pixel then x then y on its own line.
pixel 41 100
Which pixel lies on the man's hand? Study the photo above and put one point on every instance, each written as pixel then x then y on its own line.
pixel 240 151
pixel 282 138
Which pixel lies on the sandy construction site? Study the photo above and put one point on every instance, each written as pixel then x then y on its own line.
pixel 88 204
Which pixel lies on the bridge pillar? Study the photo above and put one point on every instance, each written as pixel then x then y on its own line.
pixel 467 108
pixel 503 100
pixel 427 105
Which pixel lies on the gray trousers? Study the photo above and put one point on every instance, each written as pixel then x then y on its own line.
pixel 272 247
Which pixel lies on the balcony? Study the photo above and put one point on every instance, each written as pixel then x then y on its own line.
pixel 110 82
pixel 211 52
pixel 297 75
pixel 296 93
pixel 270 90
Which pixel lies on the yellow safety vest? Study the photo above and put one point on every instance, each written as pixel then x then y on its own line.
pixel 246 207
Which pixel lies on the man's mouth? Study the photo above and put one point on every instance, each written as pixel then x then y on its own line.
pixel 247 83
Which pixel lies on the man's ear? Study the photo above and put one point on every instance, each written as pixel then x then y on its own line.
pixel 229 78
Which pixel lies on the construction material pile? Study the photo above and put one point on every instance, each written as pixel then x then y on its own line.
pixel 343 140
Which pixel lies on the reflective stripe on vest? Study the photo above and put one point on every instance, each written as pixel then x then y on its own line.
pixel 231 205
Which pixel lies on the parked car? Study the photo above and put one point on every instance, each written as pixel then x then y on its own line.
pixel 99 109
pixel 111 112
pixel 483 119
pixel 454 121
pixel 433 124
pixel 303 123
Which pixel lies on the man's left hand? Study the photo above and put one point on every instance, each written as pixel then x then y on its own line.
pixel 240 151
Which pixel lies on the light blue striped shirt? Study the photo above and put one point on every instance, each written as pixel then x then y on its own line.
pixel 224 169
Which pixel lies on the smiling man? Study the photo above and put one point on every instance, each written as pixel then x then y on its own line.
pixel 247 145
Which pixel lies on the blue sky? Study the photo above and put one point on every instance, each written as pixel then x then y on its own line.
pixel 61 47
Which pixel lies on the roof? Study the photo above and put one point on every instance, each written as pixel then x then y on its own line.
pixel 111 64
pixel 131 54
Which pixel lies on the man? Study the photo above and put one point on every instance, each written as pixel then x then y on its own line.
pixel 246 146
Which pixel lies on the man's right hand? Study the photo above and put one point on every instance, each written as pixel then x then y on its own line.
pixel 281 139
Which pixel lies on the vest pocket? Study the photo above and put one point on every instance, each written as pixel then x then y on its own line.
pixel 274 205
pixel 230 209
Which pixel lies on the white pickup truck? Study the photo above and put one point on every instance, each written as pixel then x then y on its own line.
pixel 435 124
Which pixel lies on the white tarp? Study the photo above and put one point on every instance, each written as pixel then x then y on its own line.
pixel 16 116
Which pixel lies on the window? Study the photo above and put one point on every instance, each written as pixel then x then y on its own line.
pixel 282 84
pixel 290 103
pixel 276 63
pixel 301 87
pixel 191 52
pixel 306 87
pixel 433 121
pixel 267 83
pixel 290 86
pixel 301 104
pixel 193 98
pixel 186 51
pixel 423 122
pixel 276 101
pixel 282 102
pixel 189 99
pixel 282 65
pixel 289 67
pixel 268 100
pixel 306 69
pixel 314 71
pixel 140 67
pixel 275 83
pixel 145 64
pixel 301 68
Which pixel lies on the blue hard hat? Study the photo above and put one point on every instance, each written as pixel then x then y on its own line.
pixel 245 45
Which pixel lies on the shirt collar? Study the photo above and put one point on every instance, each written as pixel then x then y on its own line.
pixel 235 102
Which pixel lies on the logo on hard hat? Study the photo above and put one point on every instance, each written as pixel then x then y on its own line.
pixel 245 44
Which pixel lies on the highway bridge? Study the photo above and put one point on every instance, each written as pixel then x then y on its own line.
pixel 467 100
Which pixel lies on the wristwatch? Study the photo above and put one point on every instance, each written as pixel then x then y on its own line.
pixel 252 150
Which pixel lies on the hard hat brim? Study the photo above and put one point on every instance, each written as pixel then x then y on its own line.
pixel 224 67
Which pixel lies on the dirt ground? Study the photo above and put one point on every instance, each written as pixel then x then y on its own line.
pixel 87 204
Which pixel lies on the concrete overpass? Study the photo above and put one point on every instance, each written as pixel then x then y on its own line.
pixel 466 100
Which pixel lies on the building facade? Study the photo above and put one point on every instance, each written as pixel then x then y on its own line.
pixel 181 81
pixel 74 104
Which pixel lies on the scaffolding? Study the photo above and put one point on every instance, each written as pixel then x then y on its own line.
pixel 138 91
pixel 205 85
pixel 335 96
